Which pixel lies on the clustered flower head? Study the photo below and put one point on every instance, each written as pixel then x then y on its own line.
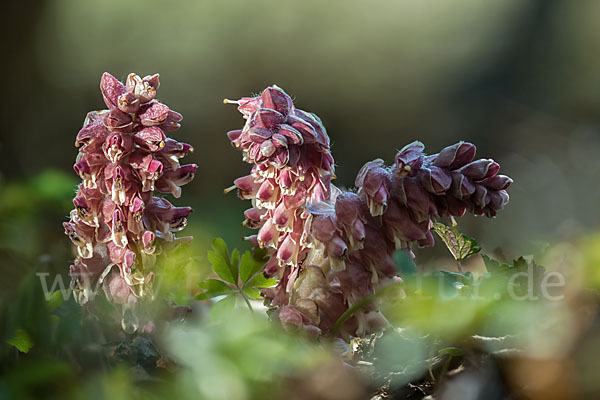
pixel 292 165
pixel 332 248
pixel 118 226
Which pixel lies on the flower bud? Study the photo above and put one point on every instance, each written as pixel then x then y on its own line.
pixel 92 136
pixel 172 122
pixel 455 156
pixel 480 169
pixel 435 180
pixel 410 158
pixel 374 180
pixel 128 103
pixel 153 114
pixel 254 217
pixel 111 89
pixel 150 138
pixel 276 99
pixel 497 182
pixel 118 121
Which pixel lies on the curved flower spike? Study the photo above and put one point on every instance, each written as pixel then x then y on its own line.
pixel 330 248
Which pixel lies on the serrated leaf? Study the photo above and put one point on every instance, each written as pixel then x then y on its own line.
pixel 259 281
pixel 494 267
pixel 460 246
pixel 452 351
pixel 521 263
pixel 221 267
pixel 220 248
pixel 222 308
pixel 249 266
pixel 56 299
pixel 21 340
pixel 213 288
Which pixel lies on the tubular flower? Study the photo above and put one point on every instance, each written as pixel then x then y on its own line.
pixel 118 225
pixel 329 248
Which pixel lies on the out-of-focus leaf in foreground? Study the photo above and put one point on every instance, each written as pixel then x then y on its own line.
pixel 21 340
pixel 241 356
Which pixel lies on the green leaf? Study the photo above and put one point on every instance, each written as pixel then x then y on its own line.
pixel 222 308
pixel 213 288
pixel 259 281
pixel 235 260
pixel 521 263
pixel 21 340
pixel 220 248
pixel 466 278
pixel 452 351
pixel 494 267
pixel 56 299
pixel 221 267
pixel 461 246
pixel 249 266
pixel 252 292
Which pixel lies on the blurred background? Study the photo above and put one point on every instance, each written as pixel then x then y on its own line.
pixel 520 79
pixel 517 78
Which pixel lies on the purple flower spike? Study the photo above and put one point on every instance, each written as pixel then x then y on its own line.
pixel 117 222
pixel 331 248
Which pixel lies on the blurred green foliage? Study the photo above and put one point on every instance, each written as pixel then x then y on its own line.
pixel 244 356
pixel 27 207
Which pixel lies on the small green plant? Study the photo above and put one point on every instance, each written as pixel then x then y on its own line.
pixel 460 245
pixel 239 276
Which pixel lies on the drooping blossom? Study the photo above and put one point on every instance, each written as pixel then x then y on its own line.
pixel 331 248
pixel 118 225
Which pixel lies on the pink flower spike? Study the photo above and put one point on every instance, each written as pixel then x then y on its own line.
pixel 331 248
pixel 118 226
